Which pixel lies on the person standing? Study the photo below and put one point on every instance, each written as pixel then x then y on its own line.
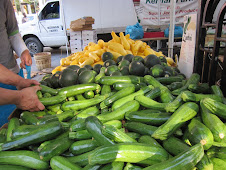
pixel 10 40
pixel 24 19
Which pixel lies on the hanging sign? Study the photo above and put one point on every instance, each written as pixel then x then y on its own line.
pixel 157 12
pixel 186 59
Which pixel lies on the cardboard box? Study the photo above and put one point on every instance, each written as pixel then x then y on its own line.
pixel 75 50
pixel 75 35
pixel 84 23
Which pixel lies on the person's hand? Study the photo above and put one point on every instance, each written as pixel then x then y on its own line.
pixel 25 59
pixel 23 83
pixel 28 99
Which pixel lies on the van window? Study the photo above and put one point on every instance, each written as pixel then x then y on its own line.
pixel 51 11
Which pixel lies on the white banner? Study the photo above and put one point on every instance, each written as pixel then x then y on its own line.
pixel 157 12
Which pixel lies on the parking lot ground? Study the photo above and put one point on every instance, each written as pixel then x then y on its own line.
pixel 56 56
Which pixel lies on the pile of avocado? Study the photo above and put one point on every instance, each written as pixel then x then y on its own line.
pixel 124 65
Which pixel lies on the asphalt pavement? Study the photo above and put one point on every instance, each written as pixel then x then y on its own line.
pixel 56 55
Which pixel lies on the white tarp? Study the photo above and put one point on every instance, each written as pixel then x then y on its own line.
pixel 149 14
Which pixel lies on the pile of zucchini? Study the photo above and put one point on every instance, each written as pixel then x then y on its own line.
pixel 121 123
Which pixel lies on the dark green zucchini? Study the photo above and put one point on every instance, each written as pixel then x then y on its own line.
pixel 46 89
pixel 23 158
pixel 185 112
pixel 79 89
pixel 199 133
pixel 110 80
pixel 133 153
pixel 149 116
pixel 199 88
pixel 53 100
pixel 41 134
pixel 193 97
pixel 29 118
pixel 153 93
pixel 13 124
pixel 172 107
pixel 83 146
pixel 140 128
pixel 217 91
pixel 105 89
pixel 90 111
pixel 170 79
pixel 185 160
pixel 80 135
pixel 175 85
pixel 59 162
pixel 94 127
pixel 194 79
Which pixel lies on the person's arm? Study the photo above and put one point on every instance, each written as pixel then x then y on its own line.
pixel 10 78
pixel 25 99
pixel 16 41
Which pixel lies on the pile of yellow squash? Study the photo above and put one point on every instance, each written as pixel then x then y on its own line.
pixel 118 46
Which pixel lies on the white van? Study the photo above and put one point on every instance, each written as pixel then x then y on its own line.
pixel 50 28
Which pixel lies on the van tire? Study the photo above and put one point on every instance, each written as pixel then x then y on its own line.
pixel 34 45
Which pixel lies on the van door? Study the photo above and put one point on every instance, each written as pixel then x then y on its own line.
pixel 51 25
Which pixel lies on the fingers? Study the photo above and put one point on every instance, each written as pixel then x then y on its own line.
pixel 35 82
pixel 40 106
pixel 36 88
pixel 22 65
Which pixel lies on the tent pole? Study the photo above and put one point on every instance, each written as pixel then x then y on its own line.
pixel 171 28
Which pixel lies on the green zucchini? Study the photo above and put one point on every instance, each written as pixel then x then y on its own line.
pixel 110 80
pixel 217 91
pixel 170 79
pixel 3 133
pixel 54 108
pixel 29 118
pixel 81 160
pixel 133 153
pixel 83 146
pixel 80 135
pixel 46 89
pixel 218 163
pixel 149 140
pixel 116 123
pixel 165 95
pixel 215 125
pixel 39 113
pixel 120 85
pixel 53 100
pixel 39 94
pixel 194 79
pixel 72 98
pixel 140 128
pixel 131 97
pixel 175 85
pixel 113 166
pixel 149 103
pixel 116 135
pixel 217 152
pixel 133 135
pixel 199 88
pixel 172 107
pixel 79 89
pixel 156 92
pixel 185 112
pixel 215 107
pixel 47 95
pixel 118 95
pixel 59 162
pixel 22 130
pixel 199 133
pixel 55 147
pixel 64 116
pixel 176 146
pixel 120 112
pixel 67 154
pixel 189 96
pixel 130 166
pixel 105 89
pixel 77 125
pixel 23 158
pixel 185 160
pixel 149 116
pixel 94 127
pixel 14 167
pixel 89 94
pixel 79 97
pixel 13 124
pixel 38 135
pixel 92 167
pixel 90 111
pixel 78 105
pixel 101 74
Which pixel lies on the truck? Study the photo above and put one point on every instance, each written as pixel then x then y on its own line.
pixel 51 26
